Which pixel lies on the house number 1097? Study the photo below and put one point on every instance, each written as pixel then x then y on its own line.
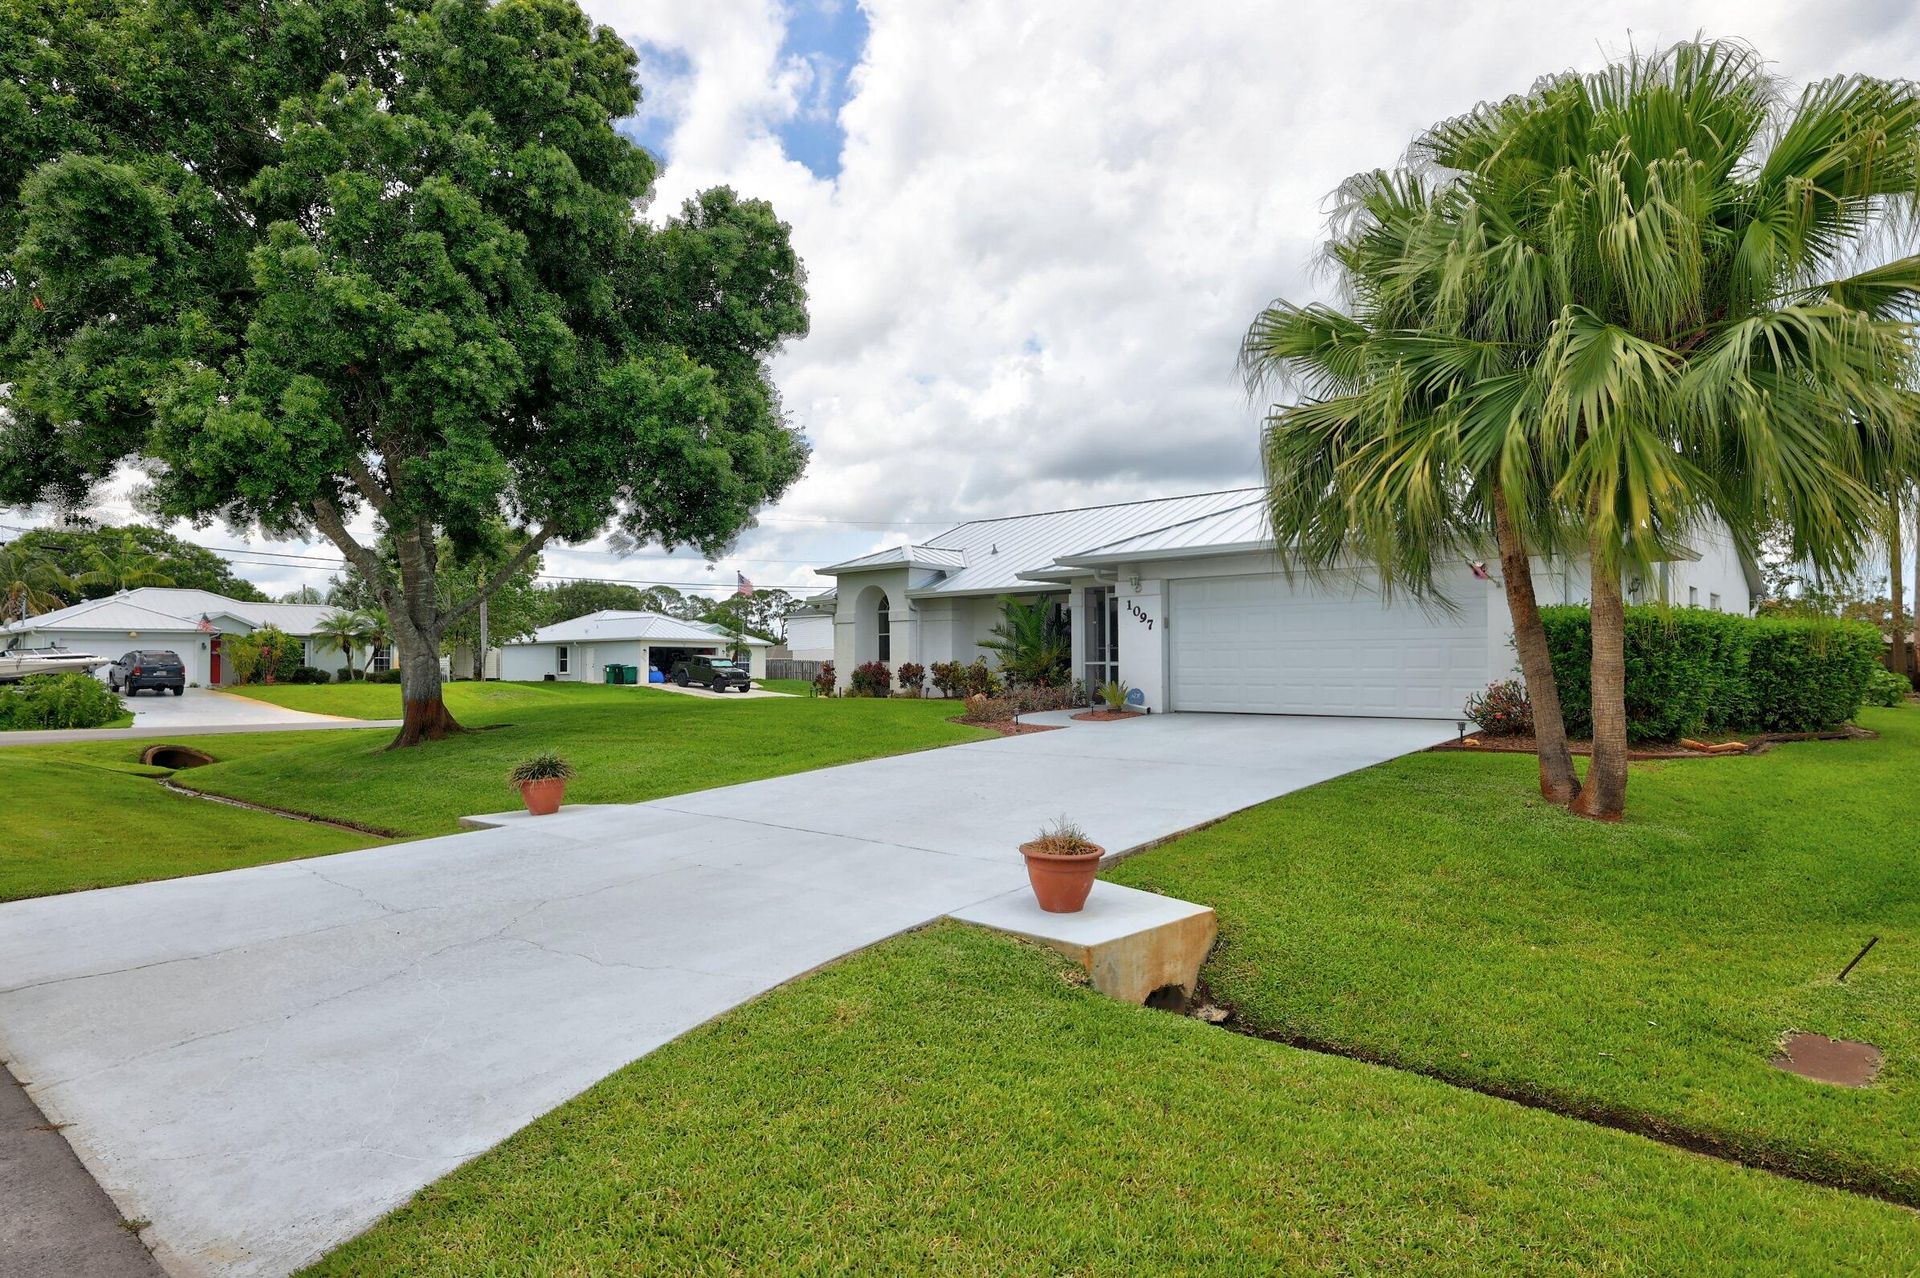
pixel 1140 614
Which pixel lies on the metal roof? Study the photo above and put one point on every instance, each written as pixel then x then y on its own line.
pixel 998 551
pixel 173 608
pixel 612 625
pixel 895 556
pixel 1242 527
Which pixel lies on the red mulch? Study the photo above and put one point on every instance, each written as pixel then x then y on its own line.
pixel 1107 716
pixel 1757 743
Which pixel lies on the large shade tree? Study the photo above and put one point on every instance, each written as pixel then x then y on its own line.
pixel 315 262
pixel 74 547
pixel 1673 291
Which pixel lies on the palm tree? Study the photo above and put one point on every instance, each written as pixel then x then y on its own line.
pixel 1389 458
pixel 28 583
pixel 1633 274
pixel 346 631
pixel 1031 642
pixel 120 565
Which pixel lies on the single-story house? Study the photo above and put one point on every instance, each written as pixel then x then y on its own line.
pixel 580 650
pixel 188 622
pixel 810 629
pixel 1185 600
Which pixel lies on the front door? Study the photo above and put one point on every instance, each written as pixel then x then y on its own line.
pixel 213 662
pixel 1103 637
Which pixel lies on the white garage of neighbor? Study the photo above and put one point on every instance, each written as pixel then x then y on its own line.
pixel 580 650
pixel 1184 599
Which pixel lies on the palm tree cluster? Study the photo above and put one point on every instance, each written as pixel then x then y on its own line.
pixel 351 628
pixel 1589 320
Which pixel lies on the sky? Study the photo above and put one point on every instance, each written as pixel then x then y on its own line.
pixel 1034 233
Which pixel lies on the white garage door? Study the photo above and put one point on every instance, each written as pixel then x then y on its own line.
pixel 1264 645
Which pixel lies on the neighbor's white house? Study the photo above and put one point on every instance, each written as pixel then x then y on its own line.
pixel 191 623
pixel 580 650
pixel 1184 599
pixel 810 629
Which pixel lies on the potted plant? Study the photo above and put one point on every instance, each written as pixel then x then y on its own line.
pixel 543 782
pixel 1061 863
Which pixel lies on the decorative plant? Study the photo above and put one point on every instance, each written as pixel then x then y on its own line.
pixel 1062 837
pixel 1885 688
pixel 872 679
pixel 823 680
pixel 1502 710
pixel 913 677
pixel 1114 693
pixel 1032 643
pixel 977 680
pixel 545 766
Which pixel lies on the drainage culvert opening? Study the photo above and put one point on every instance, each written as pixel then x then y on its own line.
pixel 1170 998
pixel 175 757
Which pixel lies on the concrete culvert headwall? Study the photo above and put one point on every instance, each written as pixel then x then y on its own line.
pixel 175 756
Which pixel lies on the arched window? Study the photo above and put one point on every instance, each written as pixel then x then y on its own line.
pixel 883 631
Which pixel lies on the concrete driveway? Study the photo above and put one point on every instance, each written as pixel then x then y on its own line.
pixel 262 1062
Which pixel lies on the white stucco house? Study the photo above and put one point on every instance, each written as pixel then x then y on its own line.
pixel 191 623
pixel 1184 599
pixel 810 629
pixel 580 650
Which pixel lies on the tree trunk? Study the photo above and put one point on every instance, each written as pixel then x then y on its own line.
pixel 1912 672
pixel 1604 796
pixel 426 717
pixel 1897 655
pixel 1558 781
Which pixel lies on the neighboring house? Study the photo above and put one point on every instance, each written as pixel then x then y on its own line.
pixel 191 623
pixel 1184 599
pixel 580 650
pixel 810 629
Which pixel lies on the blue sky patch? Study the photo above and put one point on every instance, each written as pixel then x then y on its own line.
pixel 828 36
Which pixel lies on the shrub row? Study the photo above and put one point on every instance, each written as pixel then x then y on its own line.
pixel 1691 671
pixel 1022 699
pixel 57 701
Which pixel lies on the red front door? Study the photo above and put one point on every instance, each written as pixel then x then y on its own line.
pixel 213 670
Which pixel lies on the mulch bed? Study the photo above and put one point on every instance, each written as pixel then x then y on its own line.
pixel 1006 727
pixel 1757 743
pixel 1107 716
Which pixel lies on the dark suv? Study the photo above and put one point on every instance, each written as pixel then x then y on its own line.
pixel 160 671
pixel 711 672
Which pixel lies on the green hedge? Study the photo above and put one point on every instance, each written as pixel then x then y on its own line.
pixel 1690 671
pixel 57 701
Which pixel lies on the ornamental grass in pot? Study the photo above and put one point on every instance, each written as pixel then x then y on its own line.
pixel 1061 863
pixel 543 782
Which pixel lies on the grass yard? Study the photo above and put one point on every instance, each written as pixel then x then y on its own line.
pixel 88 815
pixel 630 744
pixel 792 687
pixel 949 1102
pixel 1430 914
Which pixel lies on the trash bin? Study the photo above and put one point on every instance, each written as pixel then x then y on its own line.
pixel 630 674
pixel 610 674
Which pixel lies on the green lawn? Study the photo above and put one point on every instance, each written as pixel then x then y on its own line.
pixel 793 687
pixel 88 815
pixel 950 1102
pixel 1428 913
pixel 630 744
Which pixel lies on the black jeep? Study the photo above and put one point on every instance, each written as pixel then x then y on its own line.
pixel 716 673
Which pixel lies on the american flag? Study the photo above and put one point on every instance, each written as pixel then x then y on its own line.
pixel 741 586
pixel 206 624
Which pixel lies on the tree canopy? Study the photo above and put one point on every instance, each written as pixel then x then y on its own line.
pixel 76 549
pixel 310 262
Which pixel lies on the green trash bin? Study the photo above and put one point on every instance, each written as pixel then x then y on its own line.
pixel 630 674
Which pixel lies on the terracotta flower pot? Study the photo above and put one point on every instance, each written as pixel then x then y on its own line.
pixel 543 797
pixel 1061 884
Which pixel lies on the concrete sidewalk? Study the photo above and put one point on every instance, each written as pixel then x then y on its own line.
pixel 264 1061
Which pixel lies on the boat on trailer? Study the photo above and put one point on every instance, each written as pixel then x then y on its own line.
pixel 18 663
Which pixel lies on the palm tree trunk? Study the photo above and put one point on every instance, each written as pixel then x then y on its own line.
pixel 1558 781
pixel 1897 656
pixel 1604 796
pixel 1911 671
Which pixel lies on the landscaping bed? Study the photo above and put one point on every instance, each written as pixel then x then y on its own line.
pixel 954 1101
pixel 1755 743
pixel 1434 913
